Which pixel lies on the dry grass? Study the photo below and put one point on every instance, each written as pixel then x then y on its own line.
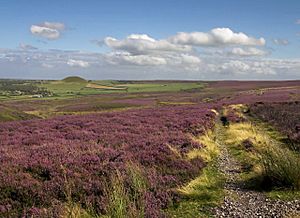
pixel 239 132
pixel 215 112
pixel 208 152
pixel 174 150
pixel 75 211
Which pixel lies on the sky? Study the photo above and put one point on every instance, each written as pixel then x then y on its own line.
pixel 153 39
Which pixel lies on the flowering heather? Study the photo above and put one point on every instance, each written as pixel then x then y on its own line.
pixel 267 95
pixel 250 85
pixel 283 115
pixel 46 163
pixel 233 116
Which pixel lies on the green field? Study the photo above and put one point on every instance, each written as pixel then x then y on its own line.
pixel 72 95
pixel 61 88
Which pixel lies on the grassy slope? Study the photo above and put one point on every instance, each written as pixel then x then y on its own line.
pixel 8 114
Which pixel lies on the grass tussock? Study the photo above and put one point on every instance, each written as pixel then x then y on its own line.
pixel 281 167
pixel 127 201
pixel 239 132
pixel 125 197
pixel 209 151
pixel 118 199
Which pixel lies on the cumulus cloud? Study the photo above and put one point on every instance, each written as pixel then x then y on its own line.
pixel 280 41
pixel 48 30
pixel 247 52
pixel 180 61
pixel 190 59
pixel 216 37
pixel 143 44
pixel 78 63
pixel 127 58
pixel 180 50
pixel 23 46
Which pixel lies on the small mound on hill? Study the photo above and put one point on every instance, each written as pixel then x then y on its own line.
pixel 74 79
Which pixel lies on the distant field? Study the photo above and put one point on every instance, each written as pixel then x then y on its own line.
pixel 96 86
pixel 62 88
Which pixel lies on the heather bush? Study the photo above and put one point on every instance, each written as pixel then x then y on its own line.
pixel 285 116
pixel 71 160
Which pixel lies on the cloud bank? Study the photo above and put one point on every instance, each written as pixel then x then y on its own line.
pixel 220 53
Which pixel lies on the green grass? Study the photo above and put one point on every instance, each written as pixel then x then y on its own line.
pixel 284 194
pixel 200 194
pixel 161 87
pixel 61 88
pixel 281 167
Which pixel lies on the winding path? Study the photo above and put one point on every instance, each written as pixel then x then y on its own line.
pixel 241 202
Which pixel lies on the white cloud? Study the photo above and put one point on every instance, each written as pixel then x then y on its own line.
pixel 190 59
pixel 143 44
pixel 78 63
pixel 54 25
pixel 142 60
pixel 23 46
pixel 123 65
pixel 247 52
pixel 180 61
pixel 235 66
pixel 246 68
pixel 48 30
pixel 280 41
pixel 216 37
pixel 179 50
pixel 217 54
pixel 298 21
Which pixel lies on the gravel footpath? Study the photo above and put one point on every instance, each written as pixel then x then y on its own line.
pixel 240 202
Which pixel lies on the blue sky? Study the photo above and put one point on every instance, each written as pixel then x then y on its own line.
pixel 76 26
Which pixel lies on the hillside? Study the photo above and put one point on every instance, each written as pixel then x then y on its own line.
pixel 74 79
